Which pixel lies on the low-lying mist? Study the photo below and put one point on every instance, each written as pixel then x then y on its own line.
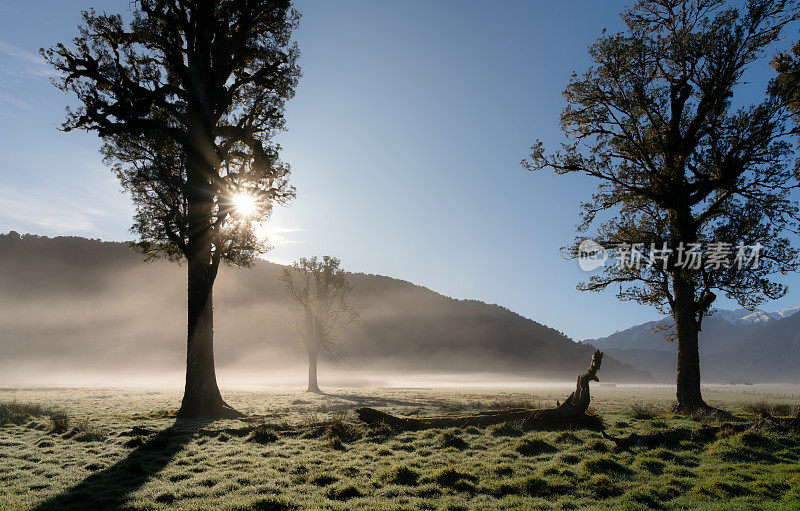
pixel 86 312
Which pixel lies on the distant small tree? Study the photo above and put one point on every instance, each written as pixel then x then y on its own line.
pixel 680 168
pixel 187 96
pixel 320 287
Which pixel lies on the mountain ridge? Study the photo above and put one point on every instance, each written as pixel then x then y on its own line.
pixel 733 347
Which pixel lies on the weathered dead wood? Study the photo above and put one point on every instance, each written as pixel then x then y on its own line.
pixel 571 413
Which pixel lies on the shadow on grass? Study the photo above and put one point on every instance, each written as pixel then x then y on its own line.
pixel 110 488
pixel 375 400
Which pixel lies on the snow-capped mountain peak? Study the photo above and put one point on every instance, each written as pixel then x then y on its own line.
pixel 788 311
pixel 755 316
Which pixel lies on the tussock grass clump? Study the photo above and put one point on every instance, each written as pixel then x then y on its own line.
pixel 767 409
pixel 604 465
pixel 379 433
pixel 550 471
pixel 339 432
pixel 596 445
pixel 533 486
pixel 567 437
pixel 502 488
pixel 504 470
pixel 60 422
pixel 643 411
pixel 401 475
pixel 717 489
pixel 533 447
pixel 85 431
pixel 428 491
pixel 335 443
pixel 323 480
pixel 643 497
pixel 263 434
pixel 770 490
pixel 344 431
pixel 604 487
pixel 708 415
pixel 12 412
pixel 570 459
pixel 662 453
pixel 451 439
pixel 506 429
pixel 451 478
pixel 344 493
pixel 747 446
pixel 653 466
pixel 166 498
pixel 540 487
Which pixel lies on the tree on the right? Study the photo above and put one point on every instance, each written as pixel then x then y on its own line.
pixel 695 185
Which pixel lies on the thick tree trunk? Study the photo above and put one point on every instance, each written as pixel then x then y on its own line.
pixel 201 396
pixel 571 413
pixel 313 355
pixel 688 391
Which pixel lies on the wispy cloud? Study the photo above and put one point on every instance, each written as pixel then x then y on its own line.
pixel 29 64
pixel 48 213
pixel 276 235
pixel 13 100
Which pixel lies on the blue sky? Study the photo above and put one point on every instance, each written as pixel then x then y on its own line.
pixel 405 138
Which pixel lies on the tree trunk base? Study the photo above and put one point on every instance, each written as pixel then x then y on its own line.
pixel 314 390
pixel 214 410
pixel 571 413
pixel 700 408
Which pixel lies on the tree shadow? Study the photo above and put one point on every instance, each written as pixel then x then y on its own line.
pixel 110 488
pixel 376 401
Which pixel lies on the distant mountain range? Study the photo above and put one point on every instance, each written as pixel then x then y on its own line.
pixel 735 346
pixel 755 316
pixel 76 305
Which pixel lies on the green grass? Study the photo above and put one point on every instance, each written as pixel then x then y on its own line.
pixel 123 449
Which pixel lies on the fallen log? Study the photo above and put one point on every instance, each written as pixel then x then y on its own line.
pixel 571 413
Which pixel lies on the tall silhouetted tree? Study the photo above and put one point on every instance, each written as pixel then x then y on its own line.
pixel 682 171
pixel 787 84
pixel 186 97
pixel 320 287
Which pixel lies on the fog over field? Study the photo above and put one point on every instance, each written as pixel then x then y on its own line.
pixel 79 311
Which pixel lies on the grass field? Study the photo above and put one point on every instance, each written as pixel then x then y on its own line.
pixel 119 449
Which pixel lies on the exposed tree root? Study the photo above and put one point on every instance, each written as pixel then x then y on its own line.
pixel 571 413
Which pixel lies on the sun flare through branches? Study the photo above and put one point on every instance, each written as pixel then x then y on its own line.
pixel 244 204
